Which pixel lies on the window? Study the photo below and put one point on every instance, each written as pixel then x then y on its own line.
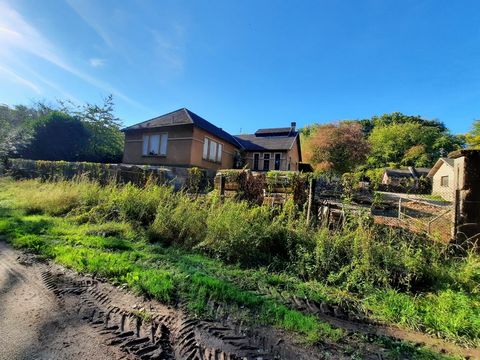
pixel 205 149
pixel 266 162
pixel 212 150
pixel 277 161
pixel 219 153
pixel 256 160
pixel 155 144
pixel 444 181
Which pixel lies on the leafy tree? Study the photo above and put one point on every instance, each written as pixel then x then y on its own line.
pixel 473 137
pixel 412 143
pixel 398 118
pixel 16 127
pixel 336 148
pixel 105 142
pixel 57 136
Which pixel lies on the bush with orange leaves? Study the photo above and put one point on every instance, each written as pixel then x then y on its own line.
pixel 336 148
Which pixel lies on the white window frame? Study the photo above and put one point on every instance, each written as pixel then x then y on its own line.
pixel 205 148
pixel 212 150
pixel 146 142
pixel 219 152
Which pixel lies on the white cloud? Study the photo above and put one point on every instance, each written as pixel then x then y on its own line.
pixel 83 10
pixel 12 75
pixel 169 46
pixel 17 34
pixel 96 62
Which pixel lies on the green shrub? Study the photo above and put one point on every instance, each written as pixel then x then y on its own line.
pixel 240 233
pixel 180 220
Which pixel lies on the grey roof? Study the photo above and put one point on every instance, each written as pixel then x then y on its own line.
pixel 191 118
pixel 251 142
pixel 448 161
pixel 399 173
pixel 438 165
pixel 407 172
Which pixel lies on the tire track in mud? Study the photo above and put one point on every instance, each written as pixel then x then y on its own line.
pixel 349 317
pixel 167 335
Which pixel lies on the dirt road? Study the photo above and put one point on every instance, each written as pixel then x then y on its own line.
pixel 49 312
pixel 34 324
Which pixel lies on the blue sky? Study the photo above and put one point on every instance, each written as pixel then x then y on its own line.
pixel 247 64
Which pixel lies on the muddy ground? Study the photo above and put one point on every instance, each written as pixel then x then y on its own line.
pixel 49 312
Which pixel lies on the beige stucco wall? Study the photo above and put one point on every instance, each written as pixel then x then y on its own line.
pixel 248 157
pixel 179 146
pixel 291 156
pixel 228 151
pixel 437 189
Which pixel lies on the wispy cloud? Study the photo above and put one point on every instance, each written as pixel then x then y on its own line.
pixel 17 34
pixel 83 10
pixel 96 62
pixel 169 46
pixel 12 75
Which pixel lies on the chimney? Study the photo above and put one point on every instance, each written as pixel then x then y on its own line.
pixel 293 125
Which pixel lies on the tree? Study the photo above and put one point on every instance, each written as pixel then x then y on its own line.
pixel 336 148
pixel 414 143
pixel 105 142
pixel 398 118
pixel 16 127
pixel 473 137
pixel 57 136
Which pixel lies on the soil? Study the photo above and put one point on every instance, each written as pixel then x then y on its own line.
pixel 49 312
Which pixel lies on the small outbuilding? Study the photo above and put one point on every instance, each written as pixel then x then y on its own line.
pixel 443 180
pixel 404 179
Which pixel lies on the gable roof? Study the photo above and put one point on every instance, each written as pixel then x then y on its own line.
pixel 181 117
pixel 439 164
pixel 409 172
pixel 252 142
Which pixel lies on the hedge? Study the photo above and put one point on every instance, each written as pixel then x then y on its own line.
pixel 104 173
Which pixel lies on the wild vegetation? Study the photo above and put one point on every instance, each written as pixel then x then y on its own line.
pixel 174 248
pixel 368 146
pixel 88 132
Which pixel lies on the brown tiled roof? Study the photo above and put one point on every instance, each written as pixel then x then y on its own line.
pixel 193 118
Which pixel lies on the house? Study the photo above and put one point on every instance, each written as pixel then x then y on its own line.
pixel 443 181
pixel 272 149
pixel 183 139
pixel 408 178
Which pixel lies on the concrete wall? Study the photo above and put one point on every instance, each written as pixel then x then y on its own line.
pixel 179 146
pixel 447 192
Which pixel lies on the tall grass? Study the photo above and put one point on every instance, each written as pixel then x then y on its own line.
pixel 395 276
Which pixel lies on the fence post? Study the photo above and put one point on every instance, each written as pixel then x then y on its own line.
pixel 311 190
pixel 400 208
pixel 222 186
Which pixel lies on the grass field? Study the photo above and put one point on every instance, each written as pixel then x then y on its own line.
pixel 201 252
